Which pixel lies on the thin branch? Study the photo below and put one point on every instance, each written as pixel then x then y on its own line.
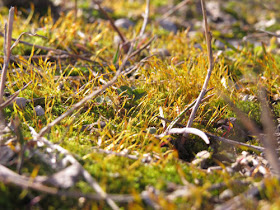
pixel 189 107
pixel 235 143
pixel 93 183
pixel 112 22
pixel 119 154
pixel 161 116
pixel 143 47
pixel 76 9
pixel 174 9
pixel 269 152
pixel 13 97
pixel 221 139
pixel 185 130
pixel 53 49
pixel 146 18
pixel 7 52
pixel 269 142
pixel 209 71
pixel 7 176
pixel 269 33
pixel 21 35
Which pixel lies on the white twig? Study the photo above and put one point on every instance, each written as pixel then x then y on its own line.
pixel 162 115
pixel 146 18
pixel 210 68
pixel 93 183
pixel 7 52
pixel 184 131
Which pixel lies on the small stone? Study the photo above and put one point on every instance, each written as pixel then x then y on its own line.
pixel 39 110
pixel 168 25
pixel 124 23
pixel 226 194
pixel 219 44
pixel 160 52
pixel 152 130
pixel 21 102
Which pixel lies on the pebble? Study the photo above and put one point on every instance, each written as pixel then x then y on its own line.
pixel 39 110
pixel 168 25
pixel 226 194
pixel 161 52
pixel 21 102
pixel 124 23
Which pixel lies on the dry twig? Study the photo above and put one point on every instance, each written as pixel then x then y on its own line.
pixel 73 161
pixel 7 52
pixel 269 151
pixel 209 71
pixel 112 22
pixel 53 50
pixel 174 9
pixel 146 18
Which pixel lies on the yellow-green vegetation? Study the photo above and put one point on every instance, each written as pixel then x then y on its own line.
pixel 123 115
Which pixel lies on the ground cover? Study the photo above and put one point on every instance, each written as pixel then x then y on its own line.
pixel 124 84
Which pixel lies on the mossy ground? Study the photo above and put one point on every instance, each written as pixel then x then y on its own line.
pixel 131 109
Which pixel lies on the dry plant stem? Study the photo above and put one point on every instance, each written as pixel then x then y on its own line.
pixel 21 35
pixel 162 116
pixel 54 50
pixel 13 97
pixel 7 52
pixel 143 47
pixel 174 9
pixel 92 182
pixel 87 98
pixel 222 139
pixel 112 22
pixel 270 33
pixel 235 143
pixel 189 107
pixel 7 176
pixel 76 9
pixel 269 141
pixel 270 150
pixel 209 71
pixel 146 18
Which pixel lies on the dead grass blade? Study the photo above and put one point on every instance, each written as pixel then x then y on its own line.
pixel 189 107
pixel 21 35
